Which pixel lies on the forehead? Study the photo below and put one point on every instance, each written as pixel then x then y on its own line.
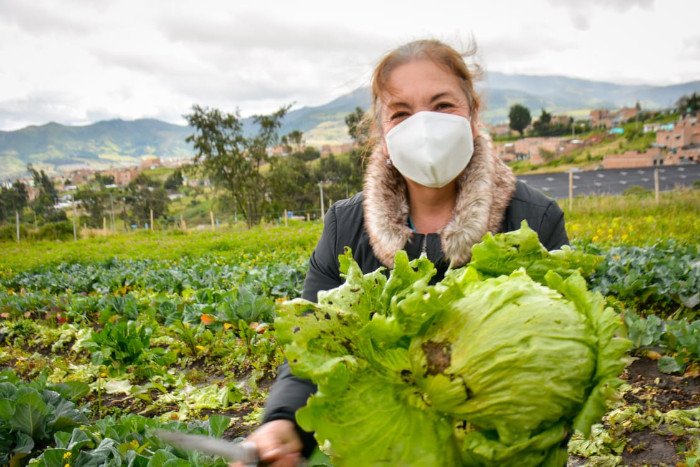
pixel 420 78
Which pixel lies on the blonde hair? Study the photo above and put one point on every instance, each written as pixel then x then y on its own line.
pixel 437 51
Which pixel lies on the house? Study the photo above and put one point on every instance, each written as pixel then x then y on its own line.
pixel 150 163
pixel 122 177
pixel 533 148
pixel 656 127
pixel 601 118
pixel 627 114
pixel 80 177
pixel 327 149
pixel 499 130
pixel 505 151
pixel 560 120
pixel 685 134
pixel 607 119
pixel 633 159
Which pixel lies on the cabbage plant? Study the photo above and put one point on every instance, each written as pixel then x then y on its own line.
pixel 497 364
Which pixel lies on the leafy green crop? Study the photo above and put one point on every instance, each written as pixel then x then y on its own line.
pixel 130 441
pixel 663 279
pixel 125 344
pixel 680 339
pixel 475 370
pixel 30 414
pixel 246 306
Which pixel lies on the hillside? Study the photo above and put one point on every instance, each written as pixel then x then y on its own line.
pixel 560 94
pixel 59 148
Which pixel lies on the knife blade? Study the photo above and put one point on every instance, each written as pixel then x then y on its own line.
pixel 245 452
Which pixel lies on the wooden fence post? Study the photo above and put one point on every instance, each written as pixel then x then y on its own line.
pixel 656 185
pixel 75 231
pixel 571 191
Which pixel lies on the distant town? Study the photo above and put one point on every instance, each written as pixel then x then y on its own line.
pixel 677 142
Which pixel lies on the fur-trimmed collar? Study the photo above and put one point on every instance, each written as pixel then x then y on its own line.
pixel 484 192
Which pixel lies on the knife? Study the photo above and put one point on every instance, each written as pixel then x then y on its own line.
pixel 245 452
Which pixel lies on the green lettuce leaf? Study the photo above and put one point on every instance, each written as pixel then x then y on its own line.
pixel 504 253
pixel 493 365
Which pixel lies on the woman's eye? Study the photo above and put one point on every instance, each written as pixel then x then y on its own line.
pixel 398 115
pixel 444 106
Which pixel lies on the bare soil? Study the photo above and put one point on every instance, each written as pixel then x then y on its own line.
pixel 654 390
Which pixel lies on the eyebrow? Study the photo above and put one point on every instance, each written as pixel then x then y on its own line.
pixel 436 97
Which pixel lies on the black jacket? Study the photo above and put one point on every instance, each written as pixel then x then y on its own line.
pixel 344 226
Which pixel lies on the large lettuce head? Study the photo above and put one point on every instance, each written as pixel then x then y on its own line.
pixel 490 366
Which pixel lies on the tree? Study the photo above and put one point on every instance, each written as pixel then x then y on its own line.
pixel 309 153
pixel 94 202
pixel 144 195
pixel 341 176
pixel 290 184
pixel 359 128
pixel 542 124
pixel 294 141
pixel 688 104
pixel 13 199
pixel 174 181
pixel 232 160
pixel 520 118
pixel 47 197
pixel 104 180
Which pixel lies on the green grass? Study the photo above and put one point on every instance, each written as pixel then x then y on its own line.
pixel 608 220
pixel 296 240
pixel 634 219
pixel 159 173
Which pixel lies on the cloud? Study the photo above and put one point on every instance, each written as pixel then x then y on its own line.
pixel 580 21
pixel 522 51
pixel 253 30
pixel 243 58
pixel 39 107
pixel 41 18
pixel 621 6
pixel 691 47
pixel 582 11
pixel 76 60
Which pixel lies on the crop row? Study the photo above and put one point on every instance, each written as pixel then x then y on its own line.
pixel 122 346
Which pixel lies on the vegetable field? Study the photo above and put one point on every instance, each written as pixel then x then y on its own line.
pixel 107 338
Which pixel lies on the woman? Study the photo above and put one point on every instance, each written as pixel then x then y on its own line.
pixel 432 186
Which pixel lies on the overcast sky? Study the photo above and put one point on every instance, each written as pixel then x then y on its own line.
pixel 81 61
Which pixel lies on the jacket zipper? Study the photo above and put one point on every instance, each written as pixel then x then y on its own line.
pixel 424 247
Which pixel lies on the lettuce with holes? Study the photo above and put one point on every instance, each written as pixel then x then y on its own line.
pixel 494 365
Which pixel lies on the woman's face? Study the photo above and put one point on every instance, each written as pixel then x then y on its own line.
pixel 421 85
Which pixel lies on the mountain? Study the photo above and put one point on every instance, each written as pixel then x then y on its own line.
pixel 560 94
pixel 60 148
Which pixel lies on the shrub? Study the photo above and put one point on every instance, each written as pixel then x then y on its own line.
pixel 636 190
pixel 8 233
pixel 53 231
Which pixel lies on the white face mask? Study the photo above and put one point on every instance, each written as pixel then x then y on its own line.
pixel 431 148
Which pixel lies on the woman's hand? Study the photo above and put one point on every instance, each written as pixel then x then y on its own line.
pixel 278 444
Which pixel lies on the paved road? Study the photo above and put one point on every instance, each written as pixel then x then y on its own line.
pixel 613 181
